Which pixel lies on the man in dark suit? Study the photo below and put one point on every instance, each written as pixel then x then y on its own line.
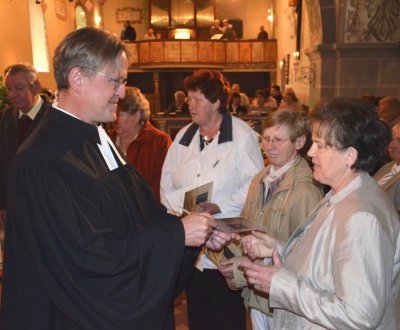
pixel 18 120
pixel 129 34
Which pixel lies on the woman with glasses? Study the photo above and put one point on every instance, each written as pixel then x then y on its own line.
pixel 280 198
pixel 340 270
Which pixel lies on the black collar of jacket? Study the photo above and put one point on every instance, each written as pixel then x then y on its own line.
pixel 79 127
pixel 225 131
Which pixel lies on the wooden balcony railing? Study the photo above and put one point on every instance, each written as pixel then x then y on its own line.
pixel 222 54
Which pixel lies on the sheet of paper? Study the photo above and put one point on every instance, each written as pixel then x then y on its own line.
pixel 238 225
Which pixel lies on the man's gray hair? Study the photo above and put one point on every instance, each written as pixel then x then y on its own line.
pixel 87 48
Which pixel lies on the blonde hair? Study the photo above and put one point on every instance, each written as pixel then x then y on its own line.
pixel 133 102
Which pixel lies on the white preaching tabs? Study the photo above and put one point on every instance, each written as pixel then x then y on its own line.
pixel 105 149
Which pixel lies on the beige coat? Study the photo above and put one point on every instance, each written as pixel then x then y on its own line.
pixel 289 206
pixel 392 187
pixel 341 270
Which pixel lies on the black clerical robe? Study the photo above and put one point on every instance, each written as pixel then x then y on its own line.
pixel 85 247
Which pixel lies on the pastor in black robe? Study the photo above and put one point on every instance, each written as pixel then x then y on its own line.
pixel 85 247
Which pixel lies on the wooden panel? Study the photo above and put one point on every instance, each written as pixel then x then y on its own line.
pixel 245 52
pixel 172 51
pixel 144 52
pixel 219 52
pixel 257 52
pixel 133 49
pixel 270 51
pixel 156 52
pixel 189 51
pixel 204 51
pixel 232 52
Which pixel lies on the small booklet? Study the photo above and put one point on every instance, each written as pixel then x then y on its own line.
pixel 238 225
pixel 196 196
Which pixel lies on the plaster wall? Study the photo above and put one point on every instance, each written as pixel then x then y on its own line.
pixel 17 38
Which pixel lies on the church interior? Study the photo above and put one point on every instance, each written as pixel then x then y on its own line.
pixel 318 48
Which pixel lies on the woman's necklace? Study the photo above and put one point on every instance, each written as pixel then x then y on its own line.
pixel 206 140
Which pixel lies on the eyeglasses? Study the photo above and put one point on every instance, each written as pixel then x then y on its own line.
pixel 117 82
pixel 276 141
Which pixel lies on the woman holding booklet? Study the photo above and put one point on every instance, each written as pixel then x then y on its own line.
pixel 340 270
pixel 280 198
pixel 222 151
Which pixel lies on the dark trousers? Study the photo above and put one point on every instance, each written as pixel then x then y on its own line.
pixel 212 305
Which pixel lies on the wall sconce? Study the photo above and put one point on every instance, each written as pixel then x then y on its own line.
pixel 270 16
pixel 305 74
pixel 97 19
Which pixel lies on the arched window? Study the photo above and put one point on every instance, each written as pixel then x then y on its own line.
pixel 40 51
pixel 80 17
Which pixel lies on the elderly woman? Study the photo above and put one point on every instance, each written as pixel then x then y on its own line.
pixel 144 146
pixel 340 270
pixel 224 150
pixel 388 176
pixel 280 197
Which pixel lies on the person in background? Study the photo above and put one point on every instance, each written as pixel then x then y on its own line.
pixel 180 105
pixel 340 270
pixel 389 110
pixel 129 33
pixel 262 35
pixel 216 28
pixel 19 120
pixel 235 106
pixel 224 150
pixel 280 198
pixel 244 100
pixel 228 30
pixel 290 101
pixel 149 34
pixel 276 94
pixel 369 97
pixel 263 102
pixel 144 146
pixel 388 176
pixel 87 245
pixel 47 94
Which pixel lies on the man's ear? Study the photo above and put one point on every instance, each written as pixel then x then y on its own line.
pixel 36 88
pixel 75 79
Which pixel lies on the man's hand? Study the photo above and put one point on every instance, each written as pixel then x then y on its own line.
pixel 219 239
pixel 258 245
pixel 198 227
pixel 209 207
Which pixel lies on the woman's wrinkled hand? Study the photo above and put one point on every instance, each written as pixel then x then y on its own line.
pixel 260 276
pixel 258 245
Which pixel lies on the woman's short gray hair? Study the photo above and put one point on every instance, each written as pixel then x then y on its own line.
pixel 133 102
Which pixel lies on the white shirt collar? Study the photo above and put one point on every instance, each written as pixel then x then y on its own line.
pixel 34 111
